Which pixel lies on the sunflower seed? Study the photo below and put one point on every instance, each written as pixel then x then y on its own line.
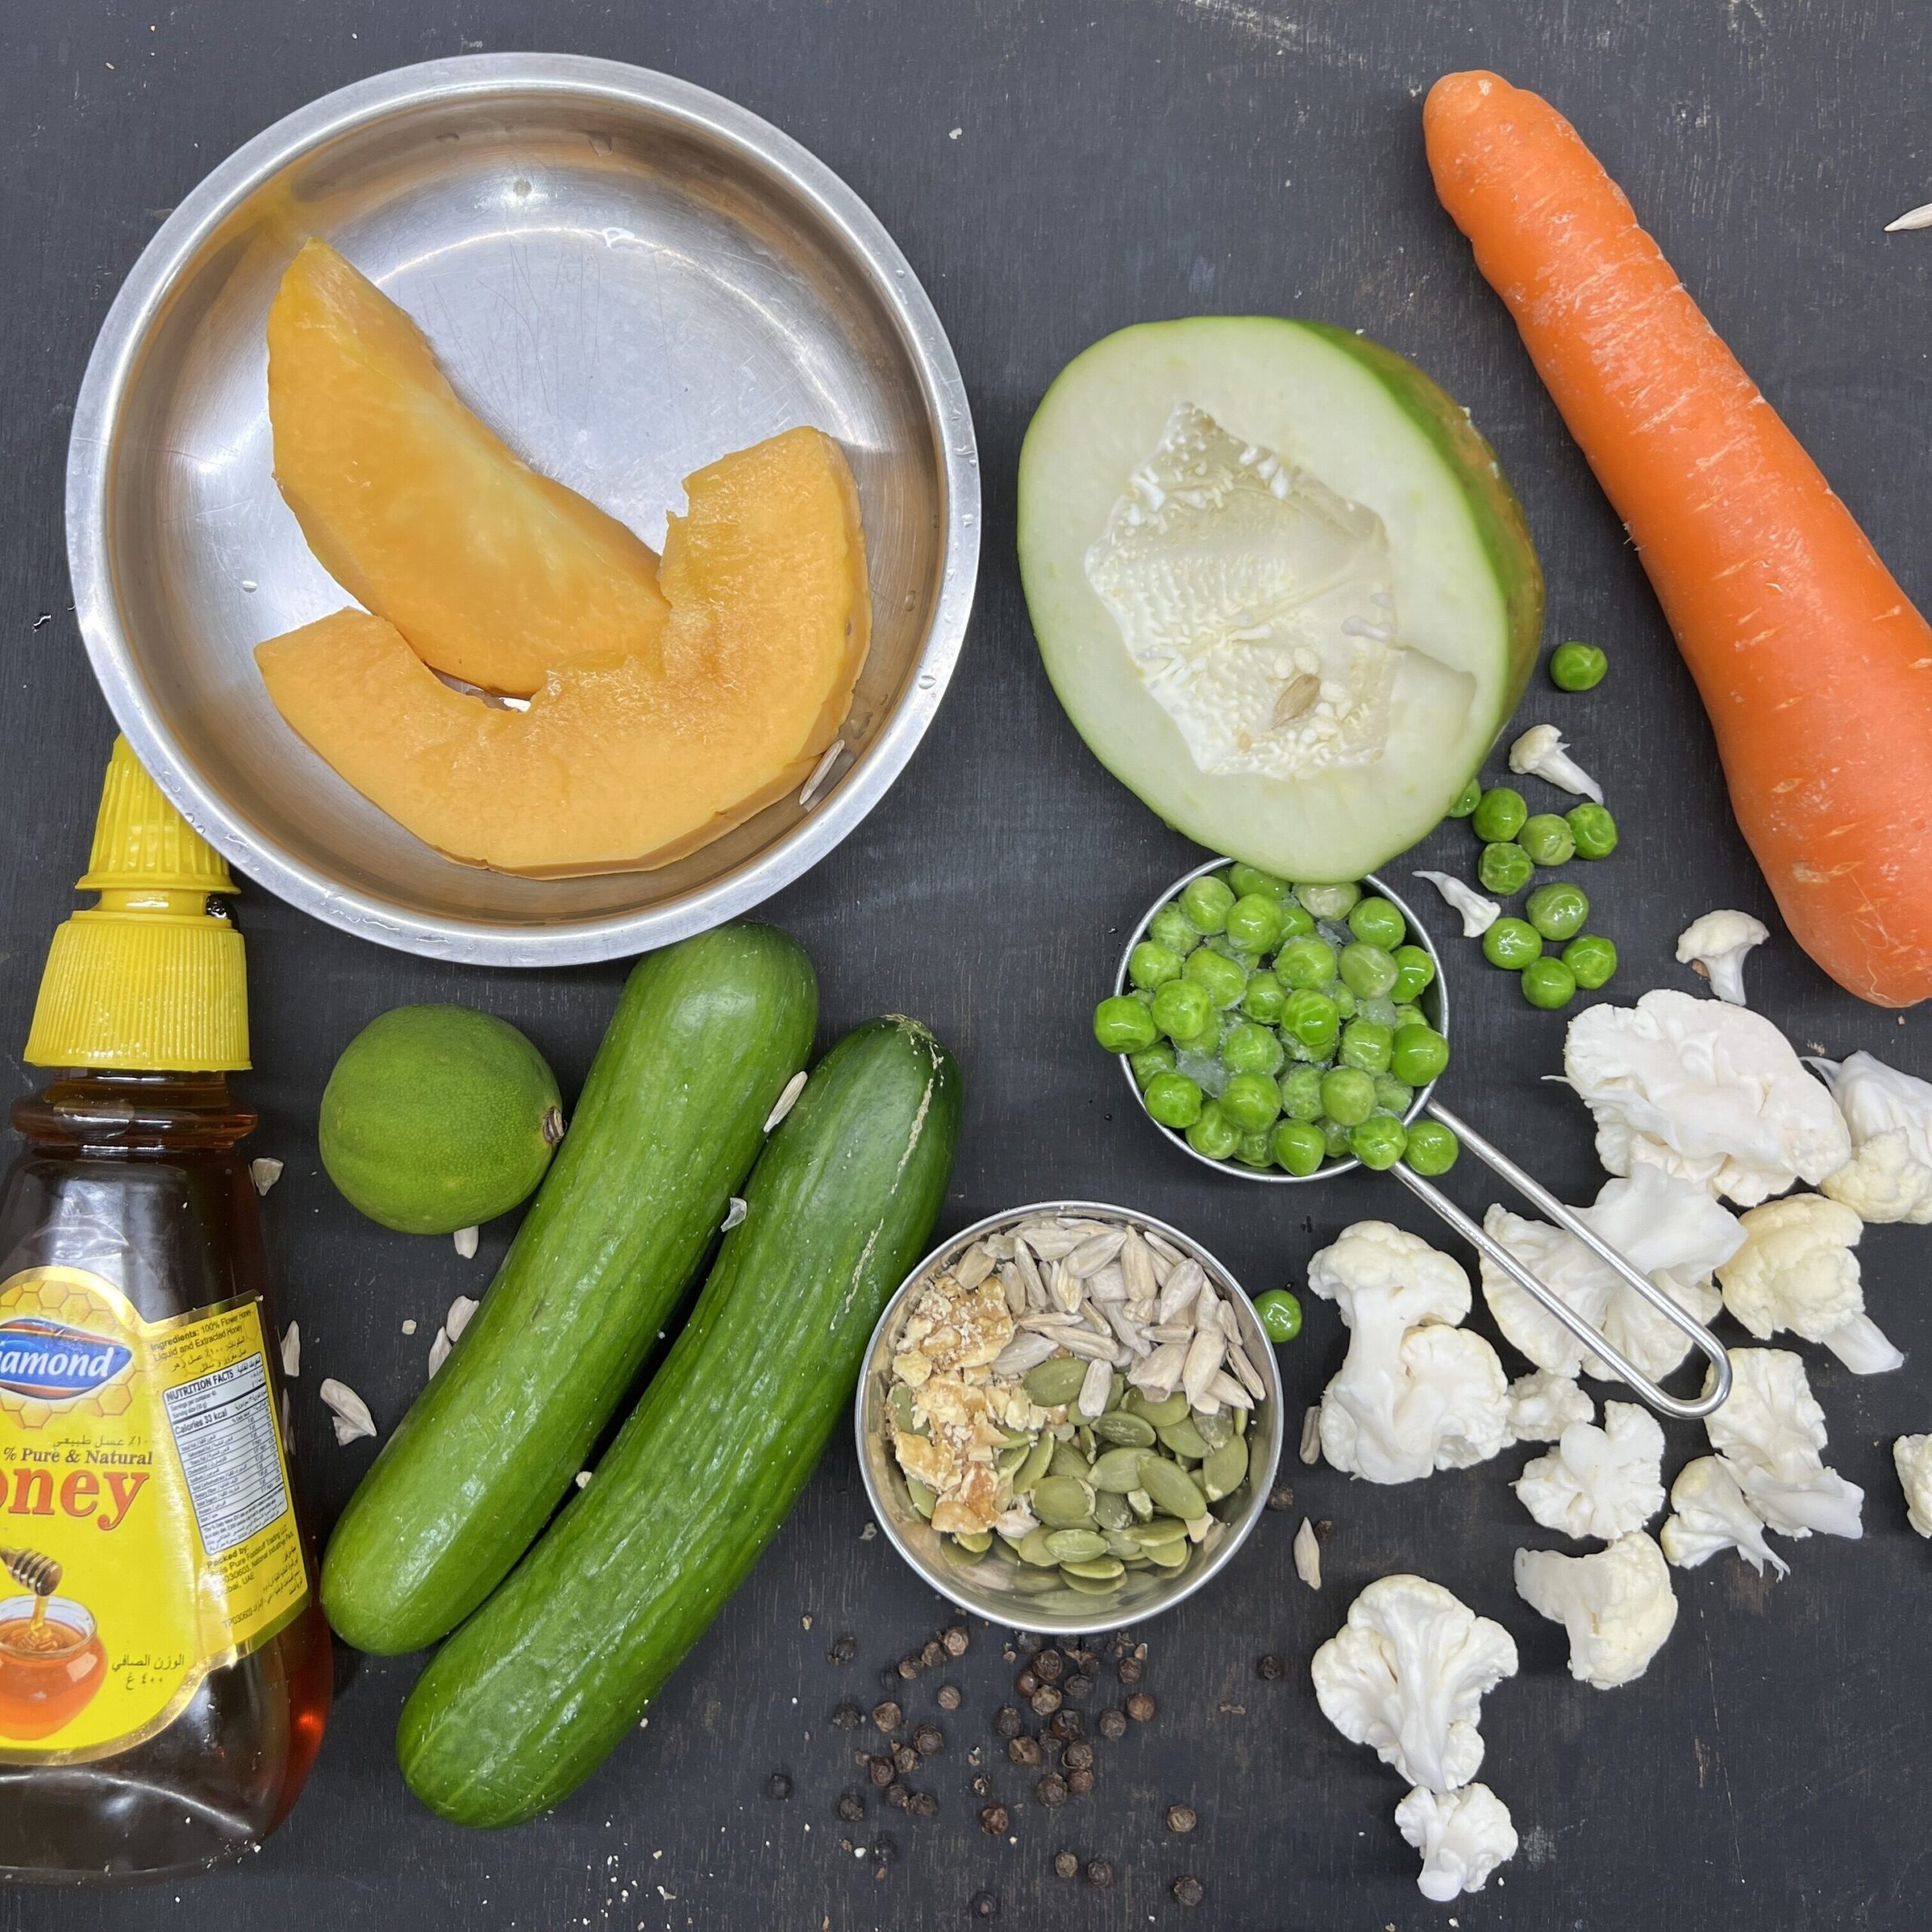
pixel 439 1351
pixel 1311 1436
pixel 1182 1332
pixel 1087 1346
pixel 1202 1363
pixel 1015 1290
pixel 1918 218
pixel 1065 1288
pixel 1179 1292
pixel 291 1350
pixel 1162 1246
pixel 734 1214
pixel 457 1320
pixel 1050 1322
pixel 1107 1284
pixel 1049 1240
pixel 465 1243
pixel 1159 1373
pixel 999 1244
pixel 1129 1332
pixel 1238 1360
pixel 1092 1400
pixel 1136 1268
pixel 351 1414
pixel 808 796
pixel 1093 1254
pixel 264 1173
pixel 1023 1352
pixel 973 1266
pixel 1225 1390
pixel 1308 1555
pixel 1030 1274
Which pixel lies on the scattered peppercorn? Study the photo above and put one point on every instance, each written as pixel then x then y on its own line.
pixel 1066 1865
pixel 984 1905
pixel 1027 1682
pixel 1067 1725
pixel 1099 1872
pixel 948 1699
pixel 923 1804
pixel 1049 1666
pixel 993 1821
pixel 1077 1757
pixel 905 1758
pixel 932 1652
pixel 1024 1750
pixel 1188 1891
pixel 955 1640
pixel 1140 1707
pixel 898 1797
pixel 1085 1661
pixel 1077 1687
pixel 1281 1499
pixel 851 1807
pixel 1113 1723
pixel 882 1771
pixel 909 1668
pixel 843 1650
pixel 778 1786
pixel 1323 1529
pixel 885 1850
pixel 1008 1722
pixel 887 1716
pixel 847 1716
pixel 1269 1668
pixel 1080 1782
pixel 928 1741
pixel 1181 1819
pixel 1051 1791
pixel 1130 1670
pixel 1045 1701
pixel 1029 1641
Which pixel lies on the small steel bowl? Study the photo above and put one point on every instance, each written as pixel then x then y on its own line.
pixel 1434 1002
pixel 990 1586
pixel 628 277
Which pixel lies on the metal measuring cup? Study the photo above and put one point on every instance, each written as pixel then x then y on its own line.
pixel 1434 1004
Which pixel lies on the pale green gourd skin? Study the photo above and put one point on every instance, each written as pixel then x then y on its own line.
pixel 671 1119
pixel 532 1695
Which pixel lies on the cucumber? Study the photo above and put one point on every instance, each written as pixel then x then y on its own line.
pixel 1219 514
pixel 705 1037
pixel 527 1698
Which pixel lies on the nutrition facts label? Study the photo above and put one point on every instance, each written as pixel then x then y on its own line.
pixel 224 1431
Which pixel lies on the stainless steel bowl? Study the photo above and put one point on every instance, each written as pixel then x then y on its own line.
pixel 991 1586
pixel 627 276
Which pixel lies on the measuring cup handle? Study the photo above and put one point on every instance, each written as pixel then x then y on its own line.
pixel 1686 1408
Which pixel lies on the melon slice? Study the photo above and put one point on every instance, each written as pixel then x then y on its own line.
pixel 495 574
pixel 632 763
pixel 1278 583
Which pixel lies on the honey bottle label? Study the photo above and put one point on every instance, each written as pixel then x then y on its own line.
pixel 146 1532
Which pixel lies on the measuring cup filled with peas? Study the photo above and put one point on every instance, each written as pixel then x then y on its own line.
pixel 1286 1033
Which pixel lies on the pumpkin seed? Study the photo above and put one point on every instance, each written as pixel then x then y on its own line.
pixel 1094 1569
pixel 1172 1488
pixel 1036 1582
pixel 1076 1546
pixel 1134 1432
pixel 1116 1391
pixel 923 1498
pixel 1140 1502
pixel 974 1542
pixel 900 1400
pixel 1226 1470
pixel 1008 1547
pixel 1214 1430
pixel 1055 1383
pixel 1120 1544
pixel 1033 1549
pixel 1009 1460
pixel 1241 1421
pixel 1184 1437
pixel 1161 1414
pixel 1066 1503
pixel 1117 1470
pixel 1168 1555
pixel 1092 1586
pixel 1084 1437
pixel 1112 1511
pixel 1039 1458
pixel 1161 1530
pixel 1068 1461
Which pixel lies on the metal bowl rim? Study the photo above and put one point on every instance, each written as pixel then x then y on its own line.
pixel 1326 1171
pixel 400 90
pixel 1237 1532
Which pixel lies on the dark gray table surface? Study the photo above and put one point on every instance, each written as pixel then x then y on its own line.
pixel 1054 171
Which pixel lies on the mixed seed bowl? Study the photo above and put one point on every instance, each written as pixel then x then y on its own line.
pixel 1070 1417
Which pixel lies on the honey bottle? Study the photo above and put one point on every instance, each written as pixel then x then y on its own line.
pixel 164 1666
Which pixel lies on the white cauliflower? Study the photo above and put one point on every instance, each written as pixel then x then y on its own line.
pixel 1770 1431
pixel 1415 1393
pixel 1665 1227
pixel 1540 752
pixel 1542 1405
pixel 1912 1456
pixel 1407 1674
pixel 1598 1482
pixel 1709 1512
pixel 1617 1605
pixel 1796 1271
pixel 1716 944
pixel 1463 1836
pixel 1711 1092
pixel 1889 1114
pixel 1478 914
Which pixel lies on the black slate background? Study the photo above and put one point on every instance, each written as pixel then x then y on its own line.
pixel 1114 161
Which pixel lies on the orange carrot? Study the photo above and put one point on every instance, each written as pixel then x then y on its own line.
pixel 1815 667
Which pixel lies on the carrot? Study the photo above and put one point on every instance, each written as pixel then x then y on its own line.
pixel 1813 665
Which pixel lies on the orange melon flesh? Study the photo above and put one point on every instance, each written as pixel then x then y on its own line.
pixel 495 574
pixel 633 763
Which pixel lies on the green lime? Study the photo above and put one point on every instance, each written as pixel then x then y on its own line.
pixel 438 1117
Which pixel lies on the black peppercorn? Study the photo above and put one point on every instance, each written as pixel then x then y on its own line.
pixel 948 1699
pixel 885 1850
pixel 1051 1790
pixel 1080 1782
pixel 932 1652
pixel 1008 1722
pixel 1130 1670
pixel 779 1785
pixel 904 1758
pixel 843 1650
pixel 1140 1707
pixel 887 1716
pixel 1188 1891
pixel 993 1821
pixel 909 1668
pixel 1028 1642
pixel 882 1771
pixel 1181 1819
pixel 1049 1666
pixel 984 1905
pixel 851 1807
pixel 1113 1723
pixel 1024 1750
pixel 1045 1701
pixel 923 1804
pixel 1067 1725
pixel 1324 1528
pixel 1066 1865
pixel 1027 1682
pixel 1281 1499
pixel 1270 1669
pixel 1099 1872
pixel 898 1797
pixel 928 1741
pixel 1077 1687
pixel 955 1640
pixel 1077 1757
pixel 847 1716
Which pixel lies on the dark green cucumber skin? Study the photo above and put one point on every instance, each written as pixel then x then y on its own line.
pixel 532 1695
pixel 705 1037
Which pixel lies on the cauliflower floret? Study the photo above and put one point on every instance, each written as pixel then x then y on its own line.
pixel 1463 1836
pixel 1542 1405
pixel 1478 914
pixel 1912 1456
pixel 1599 1482
pixel 1540 752
pixel 1711 1092
pixel 1617 1605
pixel 1716 944
pixel 1406 1673
pixel 1710 1513
pixel 1413 1282
pixel 1770 1431
pixel 1663 1225
pixel 1796 1270
pixel 1889 1176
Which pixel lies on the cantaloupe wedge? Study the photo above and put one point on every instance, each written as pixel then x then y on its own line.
pixel 495 574
pixel 633 763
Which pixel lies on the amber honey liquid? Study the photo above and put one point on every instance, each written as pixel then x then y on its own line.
pixel 137 1178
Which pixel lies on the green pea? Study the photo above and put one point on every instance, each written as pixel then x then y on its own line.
pixel 1467 799
pixel 1419 1053
pixel 1558 911
pixel 1547 839
pixel 1512 944
pixel 1311 1019
pixel 1308 963
pixel 1250 1101
pixel 1593 830
pixel 1591 959
pixel 1415 970
pixel 1159 1058
pixel 1504 868
pixel 1243 879
pixel 1499 815
pixel 1407 1014
pixel 1392 1095
pixel 1248 1048
pixel 1257 1149
pixel 1329 902
pixel 1254 922
pixel 1577 667
pixel 1334 1139
pixel 1213 1135
pixel 1295 920
pixel 1207 901
pixel 1366 1045
pixel 1172 1099
pixel 1548 983
pixel 1344 1000
pixel 1376 922
pixel 1301 1093
pixel 1222 980
pixel 1265 997
pixel 1171 927
pixel 1432 1148
pixel 1378 1141
pixel 1181 1010
pixel 1298 1148
pixel 1123 1025
pixel 1279 1313
pixel 1150 964
pixel 1347 1096
pixel 1367 971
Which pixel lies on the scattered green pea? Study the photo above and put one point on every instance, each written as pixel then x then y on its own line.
pixel 1159 1058
pixel 1280 1314
pixel 1207 901
pixel 1547 839
pixel 1150 964
pixel 1467 799
pixel 1378 1142
pixel 1376 922
pixel 1344 1000
pixel 1512 943
pixel 1409 1014
pixel 1222 980
pixel 1432 1148
pixel 1295 920
pixel 1311 1019
pixel 1329 902
pixel 1254 922
pixel 1249 1049
pixel 1299 1147
pixel 1392 1095
pixel 1418 1054
pixel 1548 983
pixel 1557 911
pixel 1366 1043
pixel 1244 879
pixel 1334 1139
pixel 1577 667
pixel 1213 1133
pixel 1367 971
pixel 1172 1099
pixel 1415 970
pixel 1499 815
pixel 1308 963
pixel 1591 959
pixel 1251 1102
pixel 1593 830
pixel 1505 869
pixel 1256 1150
pixel 1123 1025
pixel 1265 998
pixel 1172 928
pixel 1301 1093
pixel 1347 1096
pixel 1181 1010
